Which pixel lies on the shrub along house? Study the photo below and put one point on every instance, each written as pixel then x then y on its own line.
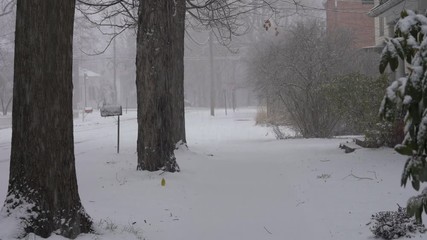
pixel 386 13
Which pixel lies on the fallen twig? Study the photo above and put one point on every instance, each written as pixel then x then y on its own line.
pixel 267 230
pixel 359 178
pixel 375 174
pixel 346 148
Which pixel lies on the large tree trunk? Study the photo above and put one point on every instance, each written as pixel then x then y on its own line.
pixel 155 81
pixel 42 181
pixel 178 88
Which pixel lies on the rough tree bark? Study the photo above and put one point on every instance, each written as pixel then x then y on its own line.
pixel 42 181
pixel 178 75
pixel 155 59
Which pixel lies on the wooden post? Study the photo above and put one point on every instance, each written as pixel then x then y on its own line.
pixel 118 133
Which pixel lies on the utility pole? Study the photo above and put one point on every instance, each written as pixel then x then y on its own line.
pixel 212 92
pixel 233 89
pixel 76 81
pixel 114 65
pixel 225 101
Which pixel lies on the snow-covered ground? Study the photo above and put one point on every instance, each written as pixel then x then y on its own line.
pixel 5 121
pixel 236 182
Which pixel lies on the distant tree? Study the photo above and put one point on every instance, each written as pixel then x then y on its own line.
pixel 294 70
pixel 7 23
pixel 43 192
pixel 7 7
pixel 5 94
pixel 409 95
pixel 160 61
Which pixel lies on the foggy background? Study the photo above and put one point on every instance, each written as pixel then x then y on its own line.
pixel 104 69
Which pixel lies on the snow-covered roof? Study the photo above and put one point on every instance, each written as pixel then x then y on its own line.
pixel 392 8
pixel 384 6
pixel 376 48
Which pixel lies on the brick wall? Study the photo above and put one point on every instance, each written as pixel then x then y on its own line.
pixel 352 15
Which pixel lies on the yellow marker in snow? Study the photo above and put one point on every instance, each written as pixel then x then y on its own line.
pixel 163 182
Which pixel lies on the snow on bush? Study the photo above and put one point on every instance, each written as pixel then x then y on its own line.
pixel 395 224
pixel 409 95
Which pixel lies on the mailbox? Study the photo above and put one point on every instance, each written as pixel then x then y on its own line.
pixel 88 110
pixel 111 110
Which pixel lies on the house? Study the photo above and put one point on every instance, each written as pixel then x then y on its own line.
pixel 386 13
pixel 90 90
pixel 351 15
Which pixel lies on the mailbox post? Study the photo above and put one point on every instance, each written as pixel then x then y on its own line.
pixel 110 111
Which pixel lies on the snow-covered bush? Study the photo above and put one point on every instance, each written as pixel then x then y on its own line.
pixel 394 224
pixel 409 94
pixel 294 75
pixel 288 73
pixel 355 98
pixel 384 133
pixel 261 117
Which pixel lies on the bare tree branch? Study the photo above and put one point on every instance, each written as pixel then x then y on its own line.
pixel 8 8
pixel 227 18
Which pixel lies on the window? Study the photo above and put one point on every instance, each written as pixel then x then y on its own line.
pixel 381 26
